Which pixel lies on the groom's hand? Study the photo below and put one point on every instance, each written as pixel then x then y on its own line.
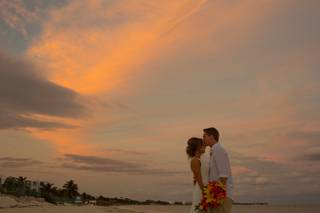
pixel 223 180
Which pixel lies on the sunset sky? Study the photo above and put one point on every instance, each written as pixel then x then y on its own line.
pixel 107 92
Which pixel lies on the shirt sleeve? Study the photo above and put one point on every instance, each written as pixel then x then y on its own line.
pixel 222 161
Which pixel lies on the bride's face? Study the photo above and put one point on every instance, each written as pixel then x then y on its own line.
pixel 203 149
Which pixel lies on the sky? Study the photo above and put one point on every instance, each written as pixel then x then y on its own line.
pixel 107 93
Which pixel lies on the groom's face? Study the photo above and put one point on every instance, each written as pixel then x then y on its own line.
pixel 207 139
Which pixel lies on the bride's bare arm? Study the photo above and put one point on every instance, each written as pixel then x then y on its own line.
pixel 195 167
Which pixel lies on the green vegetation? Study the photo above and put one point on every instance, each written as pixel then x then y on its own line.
pixel 21 186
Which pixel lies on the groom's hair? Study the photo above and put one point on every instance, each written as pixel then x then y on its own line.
pixel 212 131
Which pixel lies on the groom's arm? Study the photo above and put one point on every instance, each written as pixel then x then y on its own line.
pixel 222 164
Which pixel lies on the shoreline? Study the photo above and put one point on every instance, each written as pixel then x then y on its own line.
pixel 11 204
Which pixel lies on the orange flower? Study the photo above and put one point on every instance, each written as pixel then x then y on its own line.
pixel 213 196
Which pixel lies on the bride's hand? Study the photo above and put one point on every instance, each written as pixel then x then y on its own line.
pixel 203 190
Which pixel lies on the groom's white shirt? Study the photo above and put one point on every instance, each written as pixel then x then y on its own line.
pixel 219 166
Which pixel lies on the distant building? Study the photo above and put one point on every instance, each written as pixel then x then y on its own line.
pixel 2 179
pixel 78 200
pixel 34 185
pixel 93 202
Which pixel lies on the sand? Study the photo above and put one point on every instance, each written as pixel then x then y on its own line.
pixel 235 209
pixel 9 204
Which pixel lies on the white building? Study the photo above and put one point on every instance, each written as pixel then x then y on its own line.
pixel 78 200
pixel 93 202
pixel 34 185
pixel 2 179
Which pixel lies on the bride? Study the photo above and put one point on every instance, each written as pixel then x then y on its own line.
pixel 199 168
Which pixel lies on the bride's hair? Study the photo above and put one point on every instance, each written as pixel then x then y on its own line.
pixel 193 146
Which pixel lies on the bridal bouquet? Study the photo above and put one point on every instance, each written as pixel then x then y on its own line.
pixel 213 196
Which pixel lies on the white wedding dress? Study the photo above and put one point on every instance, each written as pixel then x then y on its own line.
pixel 197 194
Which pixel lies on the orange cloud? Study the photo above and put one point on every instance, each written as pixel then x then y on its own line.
pixel 91 47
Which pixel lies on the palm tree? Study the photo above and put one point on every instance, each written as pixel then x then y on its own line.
pixel 21 185
pixel 22 179
pixel 55 190
pixel 47 192
pixel 71 188
pixel 46 188
pixel 10 185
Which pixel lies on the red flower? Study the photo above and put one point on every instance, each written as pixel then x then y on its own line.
pixel 213 196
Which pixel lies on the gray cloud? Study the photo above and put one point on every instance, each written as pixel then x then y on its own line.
pixel 23 15
pixel 311 136
pixel 23 92
pixel 12 163
pixel 21 22
pixel 16 15
pixel 126 151
pixel 87 163
pixel 311 155
pixel 99 161
pixel 273 181
pixel 100 164
pixel 256 163
pixel 14 120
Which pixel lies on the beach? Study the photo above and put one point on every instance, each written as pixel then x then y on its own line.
pixel 236 209
pixel 10 204
pixel 158 209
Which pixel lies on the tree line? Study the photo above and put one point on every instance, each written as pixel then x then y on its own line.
pixel 21 186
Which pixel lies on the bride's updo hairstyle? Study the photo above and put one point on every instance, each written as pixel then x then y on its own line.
pixel 194 145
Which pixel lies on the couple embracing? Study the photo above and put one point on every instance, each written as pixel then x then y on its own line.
pixel 216 168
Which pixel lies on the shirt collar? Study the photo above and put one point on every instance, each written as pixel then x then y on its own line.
pixel 217 144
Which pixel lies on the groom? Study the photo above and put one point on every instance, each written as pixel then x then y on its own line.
pixel 219 167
